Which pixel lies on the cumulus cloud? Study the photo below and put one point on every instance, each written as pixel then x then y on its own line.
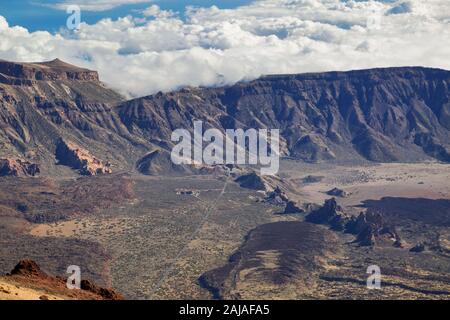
pixel 155 11
pixel 3 23
pixel 95 5
pixel 157 50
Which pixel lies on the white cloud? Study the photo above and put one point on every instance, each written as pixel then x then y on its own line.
pixel 155 11
pixel 139 56
pixel 3 23
pixel 95 5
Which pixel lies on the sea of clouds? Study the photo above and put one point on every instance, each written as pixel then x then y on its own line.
pixel 154 50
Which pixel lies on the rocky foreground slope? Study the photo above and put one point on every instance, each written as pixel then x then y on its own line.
pixel 28 282
pixel 384 115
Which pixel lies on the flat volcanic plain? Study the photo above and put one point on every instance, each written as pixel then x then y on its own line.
pixel 203 237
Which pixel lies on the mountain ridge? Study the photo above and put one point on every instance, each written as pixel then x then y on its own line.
pixel 382 114
pixel 332 107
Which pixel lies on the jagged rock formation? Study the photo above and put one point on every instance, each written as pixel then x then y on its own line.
pixel 68 153
pixel 276 197
pixel 28 276
pixel 336 192
pixel 273 256
pixel 369 227
pixel 18 168
pixel 330 213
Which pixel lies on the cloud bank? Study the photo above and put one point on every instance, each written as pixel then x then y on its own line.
pixel 156 50
pixel 95 5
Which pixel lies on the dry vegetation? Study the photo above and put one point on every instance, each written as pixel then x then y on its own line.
pixel 158 243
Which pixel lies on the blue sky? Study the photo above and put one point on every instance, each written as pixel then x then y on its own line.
pixel 38 15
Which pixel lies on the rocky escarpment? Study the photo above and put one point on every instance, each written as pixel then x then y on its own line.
pixel 18 168
pixel 384 115
pixel 68 153
pixel 369 228
pixel 330 213
pixel 273 257
pixel 159 162
pixel 43 103
pixel 391 114
pixel 28 73
pixel 278 197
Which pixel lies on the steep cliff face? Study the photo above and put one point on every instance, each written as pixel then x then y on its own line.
pixel 29 73
pixel 42 104
pixel 392 114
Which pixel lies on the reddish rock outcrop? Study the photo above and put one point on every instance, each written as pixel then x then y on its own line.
pixel 28 268
pixel 27 273
pixel 78 158
pixel 107 294
pixel 18 168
